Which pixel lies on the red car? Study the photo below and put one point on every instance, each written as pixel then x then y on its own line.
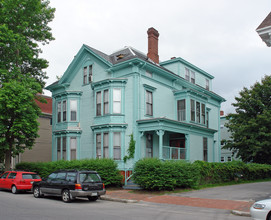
pixel 18 180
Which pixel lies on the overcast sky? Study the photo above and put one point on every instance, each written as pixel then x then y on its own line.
pixel 217 36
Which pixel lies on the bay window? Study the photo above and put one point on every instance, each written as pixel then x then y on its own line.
pixel 181 110
pixel 117 145
pixel 106 102
pixel 59 112
pixel 98 104
pixel 73 146
pixel 117 101
pixel 73 110
pixel 192 106
pixel 98 146
pixel 64 109
pixel 106 145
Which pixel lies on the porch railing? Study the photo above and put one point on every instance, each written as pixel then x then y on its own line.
pixel 174 153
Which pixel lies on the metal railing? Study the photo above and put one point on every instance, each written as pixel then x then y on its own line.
pixel 174 153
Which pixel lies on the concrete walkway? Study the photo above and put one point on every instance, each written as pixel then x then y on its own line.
pixel 237 207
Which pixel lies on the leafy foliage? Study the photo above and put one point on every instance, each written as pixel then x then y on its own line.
pixel 24 24
pixel 106 168
pixel 153 174
pixel 131 149
pixel 18 117
pixel 250 126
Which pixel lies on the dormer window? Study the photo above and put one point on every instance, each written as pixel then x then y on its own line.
pixel 207 84
pixel 120 56
pixel 190 75
pixel 187 74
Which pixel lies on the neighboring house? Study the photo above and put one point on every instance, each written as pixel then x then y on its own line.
pixel 264 30
pixel 226 155
pixel 101 100
pixel 42 150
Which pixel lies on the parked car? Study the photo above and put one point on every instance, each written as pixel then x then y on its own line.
pixel 261 210
pixel 70 184
pixel 18 180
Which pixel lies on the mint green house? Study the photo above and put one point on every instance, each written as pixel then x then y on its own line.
pixel 101 100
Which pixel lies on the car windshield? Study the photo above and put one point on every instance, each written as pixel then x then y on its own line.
pixel 30 176
pixel 89 177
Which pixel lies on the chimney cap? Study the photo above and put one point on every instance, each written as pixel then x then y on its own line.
pixel 153 31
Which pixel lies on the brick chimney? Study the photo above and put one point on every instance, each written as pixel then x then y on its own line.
pixel 153 45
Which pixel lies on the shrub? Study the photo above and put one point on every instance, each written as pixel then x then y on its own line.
pixel 106 168
pixel 153 174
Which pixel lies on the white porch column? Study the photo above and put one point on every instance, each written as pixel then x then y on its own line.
pixel 160 133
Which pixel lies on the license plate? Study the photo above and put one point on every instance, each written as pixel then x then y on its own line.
pixel 94 194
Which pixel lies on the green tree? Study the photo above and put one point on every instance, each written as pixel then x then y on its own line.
pixel 250 126
pixel 18 116
pixel 23 27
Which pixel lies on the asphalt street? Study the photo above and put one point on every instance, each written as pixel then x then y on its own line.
pixel 25 207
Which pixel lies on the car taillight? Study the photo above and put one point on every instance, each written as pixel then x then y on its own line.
pixel 78 186
pixel 103 186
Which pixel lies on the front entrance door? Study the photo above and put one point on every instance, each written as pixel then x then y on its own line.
pixel 149 145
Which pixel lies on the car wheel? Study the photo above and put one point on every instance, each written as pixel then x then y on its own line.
pixel 269 216
pixel 36 192
pixel 66 196
pixel 14 189
pixel 92 198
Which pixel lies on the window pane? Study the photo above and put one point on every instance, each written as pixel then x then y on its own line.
pixel 187 74
pixel 105 149
pixel 116 95
pixel 98 103
pixel 149 107
pixel 58 148
pixel 205 149
pixel 192 103
pixel 73 109
pixel 64 148
pixel 59 112
pixel 90 74
pixel 73 146
pixel 85 76
pixel 106 102
pixel 198 111
pixel 98 146
pixel 117 144
pixel 203 113
pixel 64 110
pixel 181 110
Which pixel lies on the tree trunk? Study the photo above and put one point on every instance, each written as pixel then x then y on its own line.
pixel 7 160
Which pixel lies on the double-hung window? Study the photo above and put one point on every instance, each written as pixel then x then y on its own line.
pixel 193 77
pixel 207 84
pixel 205 149
pixel 59 112
pixel 187 74
pixel 181 110
pixel 149 103
pixel 192 106
pixel 64 148
pixel 106 102
pixel 73 147
pixel 106 145
pixel 117 145
pixel 98 103
pixel 73 110
pixel 98 145
pixel 64 109
pixel 90 74
pixel 117 101
pixel 198 112
pixel 203 114
pixel 58 140
pixel 85 72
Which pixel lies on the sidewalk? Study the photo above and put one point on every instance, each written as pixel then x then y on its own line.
pixel 237 207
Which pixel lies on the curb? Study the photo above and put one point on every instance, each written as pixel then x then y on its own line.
pixel 240 213
pixel 118 200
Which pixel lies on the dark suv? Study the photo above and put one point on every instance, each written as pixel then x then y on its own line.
pixel 70 184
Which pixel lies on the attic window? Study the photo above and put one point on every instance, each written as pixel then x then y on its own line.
pixel 120 56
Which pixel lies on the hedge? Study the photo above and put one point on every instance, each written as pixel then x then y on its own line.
pixel 154 174
pixel 106 168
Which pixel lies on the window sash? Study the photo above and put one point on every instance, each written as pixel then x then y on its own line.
pixel 193 77
pixel 149 103
pixel 205 149
pixel 58 148
pixel 192 106
pixel 64 114
pixel 117 146
pixel 85 76
pixel 59 112
pixel 187 74
pixel 207 84
pixel 98 104
pixel 73 147
pixel 73 110
pixel 64 148
pixel 203 113
pixel 149 146
pixel 90 74
pixel 105 145
pixel 117 101
pixel 106 102
pixel 198 111
pixel 181 110
pixel 98 146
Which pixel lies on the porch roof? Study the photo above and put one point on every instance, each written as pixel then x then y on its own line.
pixel 154 124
